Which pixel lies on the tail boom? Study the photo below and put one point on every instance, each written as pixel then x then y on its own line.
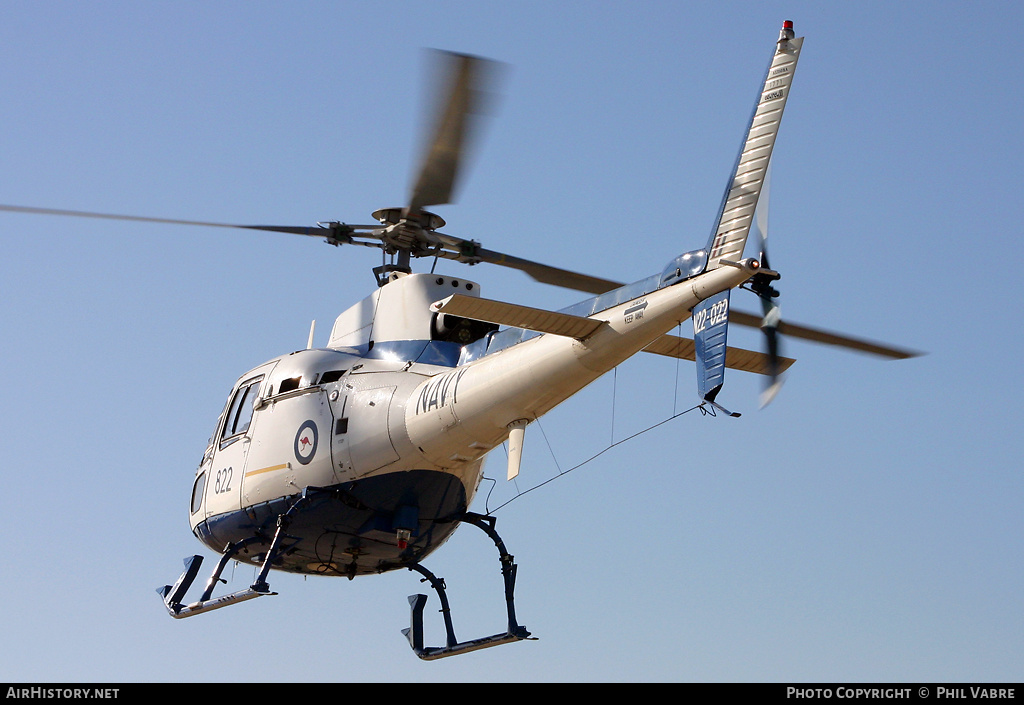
pixel 529 379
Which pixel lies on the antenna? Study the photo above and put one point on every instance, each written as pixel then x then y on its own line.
pixel 312 328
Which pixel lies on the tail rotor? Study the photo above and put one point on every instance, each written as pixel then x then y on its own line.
pixel 762 285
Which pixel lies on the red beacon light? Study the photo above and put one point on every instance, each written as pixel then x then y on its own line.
pixel 787 32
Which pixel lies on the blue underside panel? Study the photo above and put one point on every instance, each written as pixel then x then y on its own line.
pixel 350 529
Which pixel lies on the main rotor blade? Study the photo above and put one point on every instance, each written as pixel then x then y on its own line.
pixel 735 358
pixel 822 336
pixel 315 231
pixel 547 274
pixel 470 252
pixel 468 77
pixel 539 272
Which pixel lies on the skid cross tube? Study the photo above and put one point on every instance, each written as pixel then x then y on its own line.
pixel 515 631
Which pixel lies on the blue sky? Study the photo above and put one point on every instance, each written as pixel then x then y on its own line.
pixel 865 527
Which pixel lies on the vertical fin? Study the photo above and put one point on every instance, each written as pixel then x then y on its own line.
pixel 741 195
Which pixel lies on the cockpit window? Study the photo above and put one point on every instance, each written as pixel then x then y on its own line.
pixel 240 412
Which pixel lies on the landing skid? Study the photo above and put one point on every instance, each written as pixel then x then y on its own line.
pixel 453 646
pixel 173 594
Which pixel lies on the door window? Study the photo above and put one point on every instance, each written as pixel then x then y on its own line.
pixel 240 412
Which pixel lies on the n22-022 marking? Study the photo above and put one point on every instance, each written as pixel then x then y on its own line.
pixel 711 316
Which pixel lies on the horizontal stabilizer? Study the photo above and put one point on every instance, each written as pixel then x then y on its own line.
pixel 735 358
pixel 516 316
pixel 564 324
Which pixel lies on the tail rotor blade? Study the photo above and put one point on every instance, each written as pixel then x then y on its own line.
pixel 762 286
pixel 770 326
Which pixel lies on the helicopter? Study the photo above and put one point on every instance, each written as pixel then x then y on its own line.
pixel 364 456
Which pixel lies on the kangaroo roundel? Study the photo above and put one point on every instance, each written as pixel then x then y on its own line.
pixel 305 442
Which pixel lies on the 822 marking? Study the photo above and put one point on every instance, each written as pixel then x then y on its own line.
pixel 222 481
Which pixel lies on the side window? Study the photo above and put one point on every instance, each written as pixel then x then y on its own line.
pixel 236 403
pixel 248 405
pixel 197 492
pixel 240 412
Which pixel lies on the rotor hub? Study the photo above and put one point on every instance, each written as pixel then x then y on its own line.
pixel 396 216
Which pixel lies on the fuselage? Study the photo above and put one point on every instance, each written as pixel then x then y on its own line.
pixel 390 423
